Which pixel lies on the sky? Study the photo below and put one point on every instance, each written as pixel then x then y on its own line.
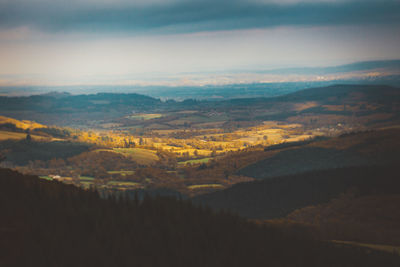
pixel 194 42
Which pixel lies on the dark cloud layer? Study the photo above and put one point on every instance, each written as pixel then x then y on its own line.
pixel 192 16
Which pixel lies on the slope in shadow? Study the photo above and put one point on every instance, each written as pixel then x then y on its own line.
pixel 302 160
pixel 277 197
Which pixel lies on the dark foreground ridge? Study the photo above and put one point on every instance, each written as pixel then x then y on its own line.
pixel 46 223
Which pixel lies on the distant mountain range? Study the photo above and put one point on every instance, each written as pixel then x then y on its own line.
pixel 66 109
pixel 240 83
pixel 388 65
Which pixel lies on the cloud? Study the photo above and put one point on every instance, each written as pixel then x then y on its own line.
pixel 175 16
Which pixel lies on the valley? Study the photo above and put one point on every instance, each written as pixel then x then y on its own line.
pixel 196 147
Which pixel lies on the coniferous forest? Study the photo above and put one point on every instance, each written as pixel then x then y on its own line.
pixel 48 223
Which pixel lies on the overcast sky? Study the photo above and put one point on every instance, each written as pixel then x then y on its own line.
pixel 160 41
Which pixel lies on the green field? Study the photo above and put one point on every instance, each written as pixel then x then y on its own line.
pixel 199 186
pixel 194 161
pixel 86 178
pixel 140 155
pixel 144 116
pixel 123 183
pixel 45 177
pixel 123 173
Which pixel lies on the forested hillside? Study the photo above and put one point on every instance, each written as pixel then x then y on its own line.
pixel 368 219
pixel 277 197
pixel 47 223
pixel 380 147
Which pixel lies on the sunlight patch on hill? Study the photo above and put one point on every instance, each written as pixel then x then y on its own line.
pixel 24 124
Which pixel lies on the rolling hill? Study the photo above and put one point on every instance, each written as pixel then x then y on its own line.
pixel 69 109
pixel 357 149
pixel 345 103
pixel 24 124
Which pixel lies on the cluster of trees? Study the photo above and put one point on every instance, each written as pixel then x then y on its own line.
pixel 20 152
pixel 166 159
pixel 8 126
pixel 97 163
pixel 56 132
pixel 47 223
pixel 90 163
